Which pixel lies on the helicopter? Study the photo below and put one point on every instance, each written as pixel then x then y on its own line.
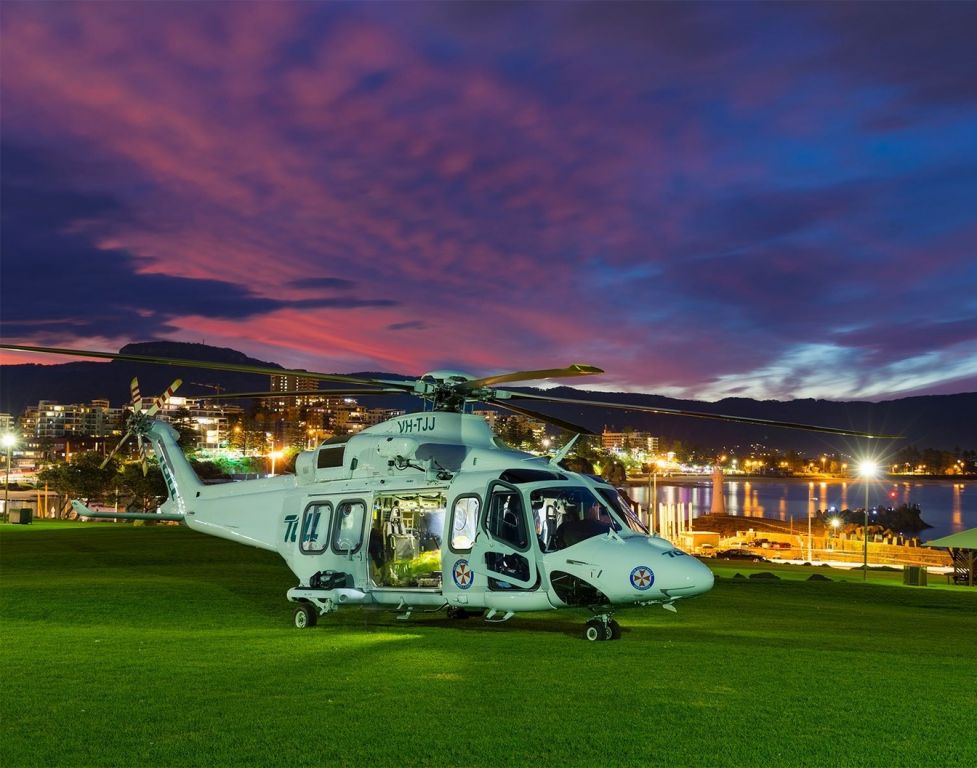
pixel 430 511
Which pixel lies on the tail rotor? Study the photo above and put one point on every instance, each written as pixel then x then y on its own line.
pixel 141 419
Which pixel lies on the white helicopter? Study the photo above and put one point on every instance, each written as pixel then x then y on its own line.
pixel 430 511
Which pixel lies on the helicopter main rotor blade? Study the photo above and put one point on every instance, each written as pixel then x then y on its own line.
pixel 115 450
pixel 577 369
pixel 213 366
pixel 300 393
pixel 701 415
pixel 569 427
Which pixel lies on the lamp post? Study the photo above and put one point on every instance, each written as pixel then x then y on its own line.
pixel 8 443
pixel 866 471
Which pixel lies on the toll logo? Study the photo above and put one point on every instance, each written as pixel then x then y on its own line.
pixel 642 578
pixel 291 526
pixel 462 574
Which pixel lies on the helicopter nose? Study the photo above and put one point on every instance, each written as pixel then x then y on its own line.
pixel 698 576
pixel 690 578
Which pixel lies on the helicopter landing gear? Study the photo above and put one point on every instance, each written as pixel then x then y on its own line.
pixel 305 616
pixel 602 627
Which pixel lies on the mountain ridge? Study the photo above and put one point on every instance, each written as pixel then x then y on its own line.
pixel 935 421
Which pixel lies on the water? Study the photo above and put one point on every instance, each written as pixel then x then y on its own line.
pixel 948 506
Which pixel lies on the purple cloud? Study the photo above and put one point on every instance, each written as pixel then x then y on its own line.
pixel 697 197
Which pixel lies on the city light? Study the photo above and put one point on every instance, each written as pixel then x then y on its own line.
pixel 8 441
pixel 867 469
pixel 275 455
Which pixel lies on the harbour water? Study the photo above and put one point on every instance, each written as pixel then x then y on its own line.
pixel 949 506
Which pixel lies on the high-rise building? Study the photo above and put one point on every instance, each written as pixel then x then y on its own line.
pixel 50 420
pixel 629 441
pixel 209 422
pixel 288 382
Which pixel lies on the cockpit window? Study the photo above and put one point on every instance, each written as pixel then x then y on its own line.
pixel 505 520
pixel 565 515
pixel 621 505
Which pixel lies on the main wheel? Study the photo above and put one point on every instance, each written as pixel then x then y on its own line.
pixel 595 630
pixel 305 616
pixel 614 629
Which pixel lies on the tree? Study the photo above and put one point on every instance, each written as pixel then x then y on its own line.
pixel 215 470
pixel 82 478
pixel 615 472
pixel 182 422
pixel 513 433
pixel 146 491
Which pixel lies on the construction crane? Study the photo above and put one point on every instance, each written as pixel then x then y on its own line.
pixel 216 387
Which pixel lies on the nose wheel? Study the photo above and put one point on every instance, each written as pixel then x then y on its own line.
pixel 602 627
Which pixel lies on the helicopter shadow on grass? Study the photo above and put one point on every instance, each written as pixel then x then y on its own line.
pixel 636 621
pixel 379 617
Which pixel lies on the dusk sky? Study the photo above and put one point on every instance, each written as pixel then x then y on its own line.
pixel 762 200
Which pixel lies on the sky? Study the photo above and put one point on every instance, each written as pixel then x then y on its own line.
pixel 705 200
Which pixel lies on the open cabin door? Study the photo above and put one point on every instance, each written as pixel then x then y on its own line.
pixel 503 548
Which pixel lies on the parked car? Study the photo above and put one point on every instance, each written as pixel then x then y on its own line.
pixel 739 554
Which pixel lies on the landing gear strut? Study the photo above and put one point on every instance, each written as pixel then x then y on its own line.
pixel 602 627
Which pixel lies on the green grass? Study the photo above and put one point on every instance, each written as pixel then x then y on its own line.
pixel 125 646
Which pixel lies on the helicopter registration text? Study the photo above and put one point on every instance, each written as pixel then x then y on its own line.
pixel 417 424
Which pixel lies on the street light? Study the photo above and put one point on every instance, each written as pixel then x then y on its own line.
pixel 275 455
pixel 8 442
pixel 866 470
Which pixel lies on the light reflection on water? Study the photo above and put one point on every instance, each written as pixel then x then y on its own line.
pixel 946 505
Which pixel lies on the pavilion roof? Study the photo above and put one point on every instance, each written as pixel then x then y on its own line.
pixel 962 540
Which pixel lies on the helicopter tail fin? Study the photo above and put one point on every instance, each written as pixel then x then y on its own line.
pixel 181 481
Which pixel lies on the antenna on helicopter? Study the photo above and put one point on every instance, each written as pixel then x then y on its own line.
pixel 561 454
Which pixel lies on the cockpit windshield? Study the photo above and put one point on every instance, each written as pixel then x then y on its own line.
pixel 565 515
pixel 622 506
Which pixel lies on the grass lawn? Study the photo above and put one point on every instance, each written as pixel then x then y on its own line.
pixel 157 646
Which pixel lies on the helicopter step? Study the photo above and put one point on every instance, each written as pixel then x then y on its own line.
pixel 405 609
pixel 490 616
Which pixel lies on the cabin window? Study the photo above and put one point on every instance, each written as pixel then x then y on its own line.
pixel 315 525
pixel 348 528
pixel 464 518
